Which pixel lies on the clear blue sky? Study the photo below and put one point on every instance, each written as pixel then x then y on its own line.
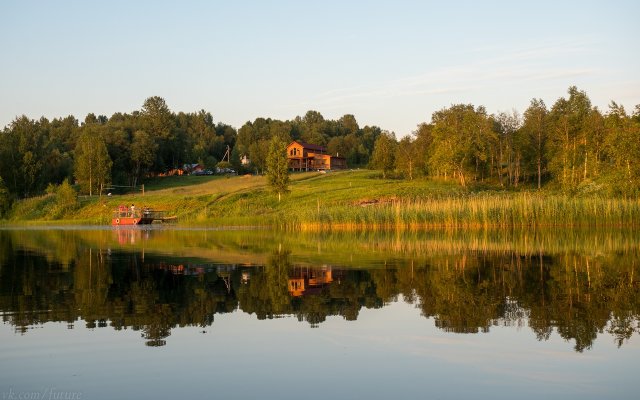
pixel 390 63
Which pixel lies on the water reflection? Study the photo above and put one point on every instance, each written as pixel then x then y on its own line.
pixel 156 281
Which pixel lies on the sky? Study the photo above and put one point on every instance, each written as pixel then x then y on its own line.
pixel 389 63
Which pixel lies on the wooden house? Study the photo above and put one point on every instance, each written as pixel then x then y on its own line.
pixel 311 157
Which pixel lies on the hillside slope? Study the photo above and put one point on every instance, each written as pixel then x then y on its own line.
pixel 345 200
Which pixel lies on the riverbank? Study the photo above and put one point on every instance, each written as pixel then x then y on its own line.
pixel 348 200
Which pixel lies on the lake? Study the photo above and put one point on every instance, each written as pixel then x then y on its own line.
pixel 103 313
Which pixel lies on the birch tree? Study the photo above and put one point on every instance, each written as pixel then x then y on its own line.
pixel 278 167
pixel 92 162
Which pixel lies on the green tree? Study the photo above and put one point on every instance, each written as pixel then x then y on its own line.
pixel 143 153
pixel 253 140
pixel 258 154
pixel 623 148
pixel 280 129
pixel 314 128
pixel 509 153
pixel 462 141
pixel 450 146
pixel 338 146
pixel 5 199
pixel 66 198
pixel 368 136
pixel 383 157
pixel 235 159
pixel 118 135
pixel 246 136
pixel 278 167
pixel 197 131
pixel 407 157
pixel 92 163
pixel 348 125
pixel 594 139
pixel 422 143
pixel 535 133
pixel 159 122
pixel 31 166
pixel 23 155
pixel 570 139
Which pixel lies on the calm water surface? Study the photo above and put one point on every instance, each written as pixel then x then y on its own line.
pixel 102 314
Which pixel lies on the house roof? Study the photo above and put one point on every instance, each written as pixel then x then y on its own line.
pixel 192 166
pixel 309 146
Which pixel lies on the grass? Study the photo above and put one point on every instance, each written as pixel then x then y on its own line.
pixel 348 200
pixel 169 182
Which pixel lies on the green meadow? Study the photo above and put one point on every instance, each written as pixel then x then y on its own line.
pixel 347 200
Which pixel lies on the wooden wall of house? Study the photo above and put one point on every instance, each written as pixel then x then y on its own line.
pixel 295 150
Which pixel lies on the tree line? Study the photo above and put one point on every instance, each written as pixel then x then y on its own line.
pixel 125 148
pixel 101 151
pixel 572 146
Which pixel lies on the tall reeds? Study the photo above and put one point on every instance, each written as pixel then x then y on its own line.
pixel 476 211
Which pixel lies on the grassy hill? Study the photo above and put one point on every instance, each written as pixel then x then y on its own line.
pixel 340 200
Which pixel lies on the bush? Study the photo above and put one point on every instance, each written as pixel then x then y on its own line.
pixel 66 199
pixel 66 196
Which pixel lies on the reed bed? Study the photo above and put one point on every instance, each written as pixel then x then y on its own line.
pixel 475 211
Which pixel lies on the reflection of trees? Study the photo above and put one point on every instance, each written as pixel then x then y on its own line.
pixel 353 291
pixel 123 290
pixel 277 271
pixel 266 294
pixel 577 296
pixel 458 293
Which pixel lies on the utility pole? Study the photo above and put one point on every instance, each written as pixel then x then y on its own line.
pixel 227 154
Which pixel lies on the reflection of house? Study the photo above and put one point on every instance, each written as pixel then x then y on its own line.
pixel 309 157
pixel 305 280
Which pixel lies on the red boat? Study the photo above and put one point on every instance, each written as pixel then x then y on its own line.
pixel 124 215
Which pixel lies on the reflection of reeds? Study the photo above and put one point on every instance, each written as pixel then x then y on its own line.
pixel 420 244
pixel 347 248
pixel 476 211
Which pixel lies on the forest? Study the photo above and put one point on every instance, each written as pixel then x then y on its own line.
pixel 571 146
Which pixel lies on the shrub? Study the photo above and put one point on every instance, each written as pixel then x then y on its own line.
pixel 66 199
